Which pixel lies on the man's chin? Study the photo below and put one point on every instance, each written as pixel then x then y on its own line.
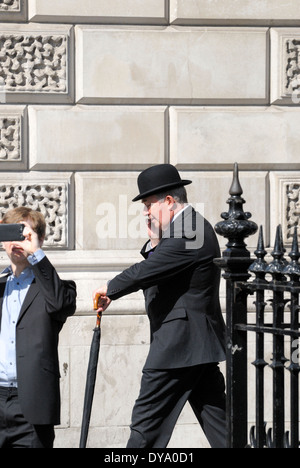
pixel 153 235
pixel 18 256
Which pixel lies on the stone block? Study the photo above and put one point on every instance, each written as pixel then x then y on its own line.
pixel 98 11
pixel 171 65
pixel 36 63
pixel 49 193
pixel 13 10
pixel 106 218
pixel 285 204
pixel 285 67
pixel 257 138
pixel 97 137
pixel 210 190
pixel 13 138
pixel 266 12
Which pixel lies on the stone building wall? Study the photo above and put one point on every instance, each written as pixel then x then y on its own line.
pixel 93 92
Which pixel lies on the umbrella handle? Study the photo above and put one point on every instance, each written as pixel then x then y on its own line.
pixel 99 315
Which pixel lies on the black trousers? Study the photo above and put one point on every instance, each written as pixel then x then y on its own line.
pixel 15 431
pixel 162 397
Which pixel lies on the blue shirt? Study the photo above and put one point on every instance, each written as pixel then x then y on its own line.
pixel 16 290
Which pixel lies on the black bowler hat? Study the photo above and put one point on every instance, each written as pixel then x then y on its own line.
pixel 158 179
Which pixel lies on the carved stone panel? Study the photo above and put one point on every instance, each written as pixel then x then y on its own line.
pixel 285 204
pixel 45 194
pixel 10 5
pixel 10 138
pixel 292 50
pixel 285 66
pixel 13 10
pixel 35 63
pixel 13 142
pixel 292 201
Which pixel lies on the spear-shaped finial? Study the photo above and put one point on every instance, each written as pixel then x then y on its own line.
pixel 236 225
pixel 236 188
pixel 278 264
pixel 259 265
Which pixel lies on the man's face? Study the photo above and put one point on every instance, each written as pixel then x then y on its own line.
pixel 158 215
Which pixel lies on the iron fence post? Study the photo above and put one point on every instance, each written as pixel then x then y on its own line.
pixel 235 263
pixel 258 268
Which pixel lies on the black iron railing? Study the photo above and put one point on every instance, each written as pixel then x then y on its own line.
pixel 276 282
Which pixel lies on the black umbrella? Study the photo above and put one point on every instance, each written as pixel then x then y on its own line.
pixel 91 379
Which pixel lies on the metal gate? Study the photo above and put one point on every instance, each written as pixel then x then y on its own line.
pixel 271 288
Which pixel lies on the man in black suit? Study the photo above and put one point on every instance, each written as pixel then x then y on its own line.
pixel 34 305
pixel 181 288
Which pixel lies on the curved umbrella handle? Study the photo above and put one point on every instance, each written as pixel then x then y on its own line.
pixel 96 300
pixel 96 305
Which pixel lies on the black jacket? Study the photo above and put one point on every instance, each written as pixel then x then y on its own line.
pixel 46 307
pixel 181 288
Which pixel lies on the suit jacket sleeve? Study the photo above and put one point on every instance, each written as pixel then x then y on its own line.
pixel 59 295
pixel 170 258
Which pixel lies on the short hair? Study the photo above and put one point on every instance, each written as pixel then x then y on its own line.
pixel 23 213
pixel 179 194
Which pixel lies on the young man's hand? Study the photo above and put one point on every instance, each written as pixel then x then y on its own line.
pixel 31 243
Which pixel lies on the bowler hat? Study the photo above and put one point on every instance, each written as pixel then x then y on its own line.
pixel 158 179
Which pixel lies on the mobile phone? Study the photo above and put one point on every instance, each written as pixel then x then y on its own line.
pixel 11 232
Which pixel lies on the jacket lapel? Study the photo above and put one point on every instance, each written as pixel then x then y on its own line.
pixel 30 296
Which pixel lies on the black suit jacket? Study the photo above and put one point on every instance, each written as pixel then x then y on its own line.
pixel 181 288
pixel 46 307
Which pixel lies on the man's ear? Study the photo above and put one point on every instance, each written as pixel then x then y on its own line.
pixel 171 203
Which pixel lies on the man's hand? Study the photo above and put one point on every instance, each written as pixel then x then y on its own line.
pixel 31 243
pixel 103 301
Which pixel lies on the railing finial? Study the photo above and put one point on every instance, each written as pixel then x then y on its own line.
pixel 236 225
pixel 236 188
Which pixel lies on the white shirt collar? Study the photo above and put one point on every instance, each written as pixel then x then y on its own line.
pixel 181 211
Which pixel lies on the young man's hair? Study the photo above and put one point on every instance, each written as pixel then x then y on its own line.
pixel 23 213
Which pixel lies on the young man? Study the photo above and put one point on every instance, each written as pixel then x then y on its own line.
pixel 181 288
pixel 34 305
